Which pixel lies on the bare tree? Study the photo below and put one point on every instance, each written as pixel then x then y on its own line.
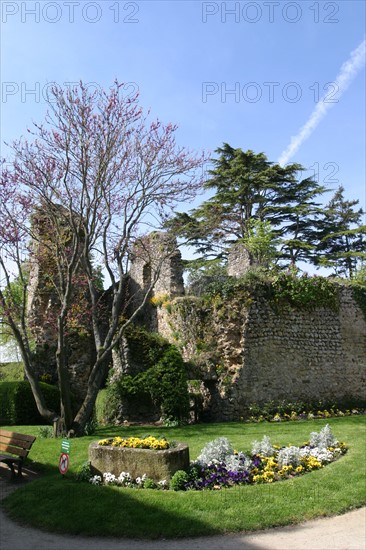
pixel 95 176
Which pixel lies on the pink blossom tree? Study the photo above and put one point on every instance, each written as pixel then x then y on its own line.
pixel 97 175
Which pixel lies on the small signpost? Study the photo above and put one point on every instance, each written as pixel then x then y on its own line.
pixel 63 464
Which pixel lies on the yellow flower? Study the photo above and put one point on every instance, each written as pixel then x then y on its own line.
pixel 149 442
pixel 104 442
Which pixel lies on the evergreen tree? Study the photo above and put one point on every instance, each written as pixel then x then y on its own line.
pixel 342 236
pixel 249 187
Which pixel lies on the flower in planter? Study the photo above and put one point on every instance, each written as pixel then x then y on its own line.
pixel 149 442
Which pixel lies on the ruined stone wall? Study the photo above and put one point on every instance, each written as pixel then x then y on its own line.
pixel 247 352
pixel 242 350
pixel 154 256
pixel 304 354
pixel 43 305
pixel 239 260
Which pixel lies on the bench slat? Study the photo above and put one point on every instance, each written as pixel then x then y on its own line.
pixel 16 442
pixel 13 450
pixel 5 434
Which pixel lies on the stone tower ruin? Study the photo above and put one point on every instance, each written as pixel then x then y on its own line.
pixel 156 258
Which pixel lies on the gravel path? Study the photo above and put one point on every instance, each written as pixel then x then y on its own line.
pixel 346 532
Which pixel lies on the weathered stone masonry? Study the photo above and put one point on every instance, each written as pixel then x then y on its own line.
pixel 257 354
pixel 243 349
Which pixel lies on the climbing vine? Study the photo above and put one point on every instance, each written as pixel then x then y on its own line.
pixel 359 295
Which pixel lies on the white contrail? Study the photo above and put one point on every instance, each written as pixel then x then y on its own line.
pixel 345 76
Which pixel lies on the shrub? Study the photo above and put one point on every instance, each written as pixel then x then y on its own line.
pixel 17 404
pixel 323 439
pixel 168 387
pixel 289 456
pixel 218 449
pixel 84 472
pixel 305 292
pixel 90 427
pixel 11 372
pixel 359 295
pixel 165 383
pixel 145 348
pixel 149 483
pixel 263 447
pixel 45 432
pixel 179 480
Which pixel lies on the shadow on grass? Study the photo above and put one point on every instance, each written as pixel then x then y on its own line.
pixel 62 505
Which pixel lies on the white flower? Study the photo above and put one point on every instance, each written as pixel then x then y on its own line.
pixel 95 480
pixel 323 455
pixel 163 483
pixel 124 478
pixel 140 480
pixel 109 478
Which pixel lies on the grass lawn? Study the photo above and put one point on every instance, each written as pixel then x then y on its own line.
pixel 66 506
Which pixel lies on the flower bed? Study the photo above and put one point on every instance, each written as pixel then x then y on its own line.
pixel 134 458
pixel 124 462
pixel 285 412
pixel 219 465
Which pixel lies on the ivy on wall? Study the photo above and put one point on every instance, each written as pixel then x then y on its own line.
pixel 359 295
pixel 280 289
pixel 305 292
pixel 163 376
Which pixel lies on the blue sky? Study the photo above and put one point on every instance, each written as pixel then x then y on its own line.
pixel 186 56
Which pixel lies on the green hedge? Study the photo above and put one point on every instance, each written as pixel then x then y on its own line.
pixel 10 372
pixel 101 407
pixel 17 404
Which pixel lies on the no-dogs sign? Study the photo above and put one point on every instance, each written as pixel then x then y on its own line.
pixel 63 464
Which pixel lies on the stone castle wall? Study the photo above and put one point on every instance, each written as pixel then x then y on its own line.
pixel 249 352
pixel 243 350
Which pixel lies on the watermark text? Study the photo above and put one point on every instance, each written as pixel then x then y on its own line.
pixel 70 11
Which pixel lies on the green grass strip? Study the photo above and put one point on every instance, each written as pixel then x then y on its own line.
pixel 66 506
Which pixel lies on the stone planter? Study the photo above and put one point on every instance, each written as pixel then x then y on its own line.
pixel 157 465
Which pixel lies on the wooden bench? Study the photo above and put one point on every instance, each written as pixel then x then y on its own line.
pixel 18 447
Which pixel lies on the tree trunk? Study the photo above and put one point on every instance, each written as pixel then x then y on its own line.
pixel 65 397
pixel 49 416
pixel 63 377
pixel 86 410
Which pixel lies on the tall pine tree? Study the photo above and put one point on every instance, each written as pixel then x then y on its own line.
pixel 248 187
pixel 342 236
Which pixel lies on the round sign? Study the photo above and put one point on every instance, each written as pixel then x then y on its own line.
pixel 63 464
